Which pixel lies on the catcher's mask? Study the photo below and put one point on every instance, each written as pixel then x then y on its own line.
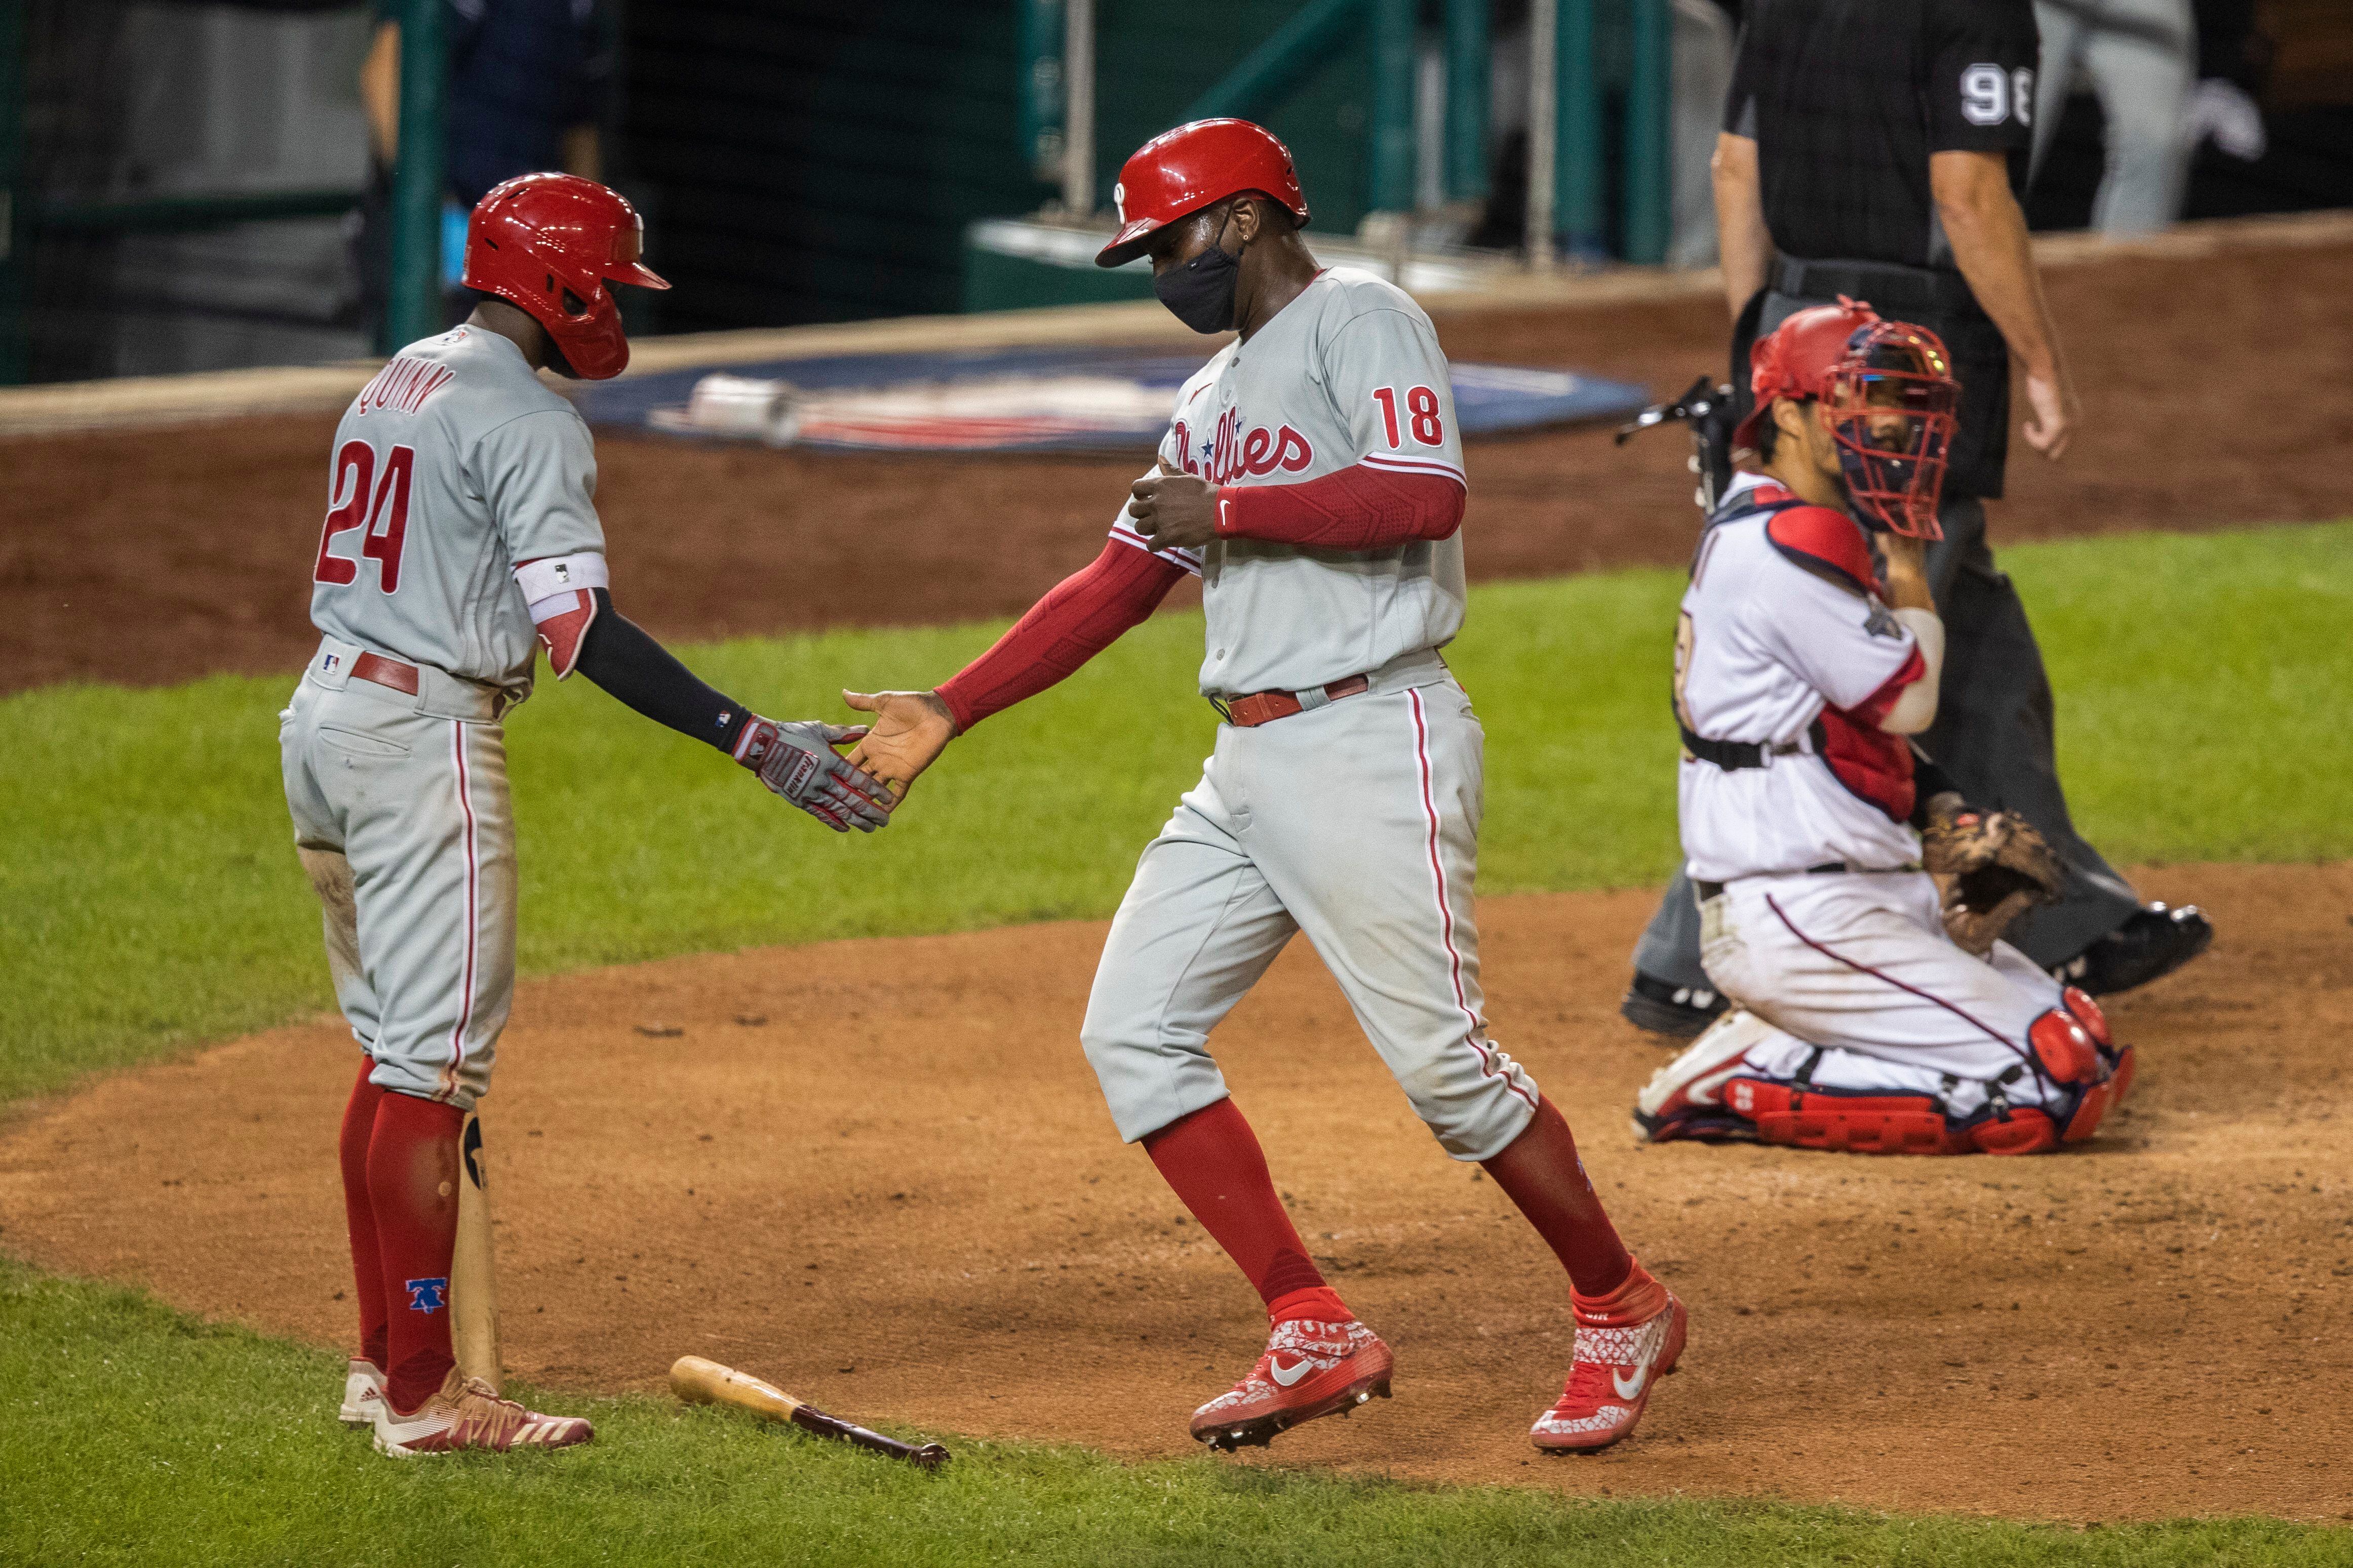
pixel 1892 401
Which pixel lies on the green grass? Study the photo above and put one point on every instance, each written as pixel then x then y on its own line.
pixel 149 899
pixel 149 896
pixel 133 1434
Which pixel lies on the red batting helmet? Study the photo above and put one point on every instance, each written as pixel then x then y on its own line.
pixel 1179 172
pixel 546 244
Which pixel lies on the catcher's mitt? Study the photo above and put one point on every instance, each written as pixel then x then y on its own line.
pixel 1992 867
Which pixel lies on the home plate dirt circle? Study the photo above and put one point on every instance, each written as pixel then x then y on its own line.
pixel 880 1174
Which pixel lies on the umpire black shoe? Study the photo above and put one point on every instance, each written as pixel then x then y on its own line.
pixel 2156 942
pixel 1663 1007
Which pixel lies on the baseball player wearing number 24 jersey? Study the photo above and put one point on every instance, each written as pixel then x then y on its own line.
pixel 1859 1022
pixel 1312 478
pixel 463 536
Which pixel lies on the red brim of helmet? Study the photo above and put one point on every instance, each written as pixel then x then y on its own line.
pixel 635 272
pixel 1127 244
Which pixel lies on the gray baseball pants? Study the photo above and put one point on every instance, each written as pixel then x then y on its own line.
pixel 1358 824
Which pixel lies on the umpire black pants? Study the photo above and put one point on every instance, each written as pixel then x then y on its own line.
pixel 1993 735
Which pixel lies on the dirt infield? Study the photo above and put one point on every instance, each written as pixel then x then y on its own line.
pixel 2219 391
pixel 925 1216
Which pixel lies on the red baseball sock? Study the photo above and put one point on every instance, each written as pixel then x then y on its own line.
pixel 1638 1296
pixel 1541 1173
pixel 412 1177
pixel 367 1267
pixel 1212 1160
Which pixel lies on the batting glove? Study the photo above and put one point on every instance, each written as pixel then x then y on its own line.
pixel 798 762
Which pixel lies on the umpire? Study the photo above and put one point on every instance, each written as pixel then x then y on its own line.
pixel 1874 148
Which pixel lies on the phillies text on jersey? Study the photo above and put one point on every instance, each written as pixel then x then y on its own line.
pixel 1350 372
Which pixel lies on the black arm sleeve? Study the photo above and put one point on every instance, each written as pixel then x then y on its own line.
pixel 639 672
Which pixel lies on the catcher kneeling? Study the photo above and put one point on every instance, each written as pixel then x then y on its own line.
pixel 1874 1011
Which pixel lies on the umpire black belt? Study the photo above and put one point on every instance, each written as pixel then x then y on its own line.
pixel 1894 291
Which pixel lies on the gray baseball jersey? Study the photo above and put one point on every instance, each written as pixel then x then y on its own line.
pixel 459 494
pixel 452 467
pixel 1350 372
pixel 1356 821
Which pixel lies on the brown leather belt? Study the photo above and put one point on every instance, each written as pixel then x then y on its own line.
pixel 1266 707
pixel 385 672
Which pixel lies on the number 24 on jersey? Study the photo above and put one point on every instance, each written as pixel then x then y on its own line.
pixel 377 505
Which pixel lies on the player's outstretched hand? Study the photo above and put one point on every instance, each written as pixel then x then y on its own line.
pixel 911 729
pixel 1175 511
pixel 799 762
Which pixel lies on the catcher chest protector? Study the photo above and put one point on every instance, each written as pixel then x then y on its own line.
pixel 547 244
pixel 1179 172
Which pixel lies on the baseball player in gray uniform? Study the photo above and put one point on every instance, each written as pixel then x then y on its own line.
pixel 1312 478
pixel 462 535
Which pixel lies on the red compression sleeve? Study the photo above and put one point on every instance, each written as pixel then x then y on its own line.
pixel 1359 508
pixel 1880 703
pixel 1081 616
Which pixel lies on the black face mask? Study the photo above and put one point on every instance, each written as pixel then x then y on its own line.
pixel 1201 293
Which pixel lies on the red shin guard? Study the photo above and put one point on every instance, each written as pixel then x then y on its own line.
pixel 359 1219
pixel 412 1182
pixel 1540 1172
pixel 1213 1162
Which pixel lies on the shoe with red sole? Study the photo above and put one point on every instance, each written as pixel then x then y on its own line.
pixel 1685 1099
pixel 1310 1369
pixel 363 1393
pixel 464 1415
pixel 1610 1382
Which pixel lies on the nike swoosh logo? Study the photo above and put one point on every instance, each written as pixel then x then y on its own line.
pixel 1288 1376
pixel 1702 1091
pixel 1631 1389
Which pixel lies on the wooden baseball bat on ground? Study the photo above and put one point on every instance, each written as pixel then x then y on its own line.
pixel 700 1382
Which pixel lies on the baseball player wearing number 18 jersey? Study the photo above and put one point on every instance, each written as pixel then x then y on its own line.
pixel 462 536
pixel 1312 478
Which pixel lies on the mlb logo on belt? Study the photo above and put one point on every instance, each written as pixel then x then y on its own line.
pixel 428 1295
pixel 328 663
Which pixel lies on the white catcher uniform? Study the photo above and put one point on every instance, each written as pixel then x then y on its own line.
pixel 451 469
pixel 1356 820
pixel 1857 1023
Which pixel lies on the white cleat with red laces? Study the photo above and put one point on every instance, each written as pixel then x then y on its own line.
pixel 1310 1369
pixel 362 1394
pixel 1610 1381
pixel 466 1414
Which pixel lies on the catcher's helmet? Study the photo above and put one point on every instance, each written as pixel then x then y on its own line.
pixel 546 244
pixel 1179 172
pixel 1890 394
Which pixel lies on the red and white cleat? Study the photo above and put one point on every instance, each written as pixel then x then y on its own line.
pixel 1310 1369
pixel 465 1414
pixel 1610 1382
pixel 362 1394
